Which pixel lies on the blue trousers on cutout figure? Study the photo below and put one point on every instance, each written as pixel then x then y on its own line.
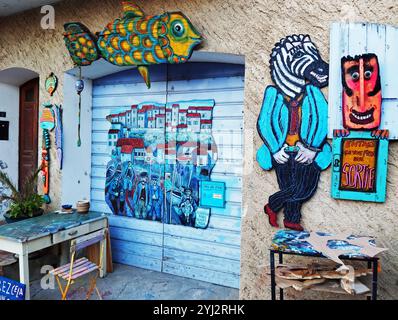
pixel 297 183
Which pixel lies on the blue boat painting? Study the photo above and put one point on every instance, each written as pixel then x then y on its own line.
pixel 159 154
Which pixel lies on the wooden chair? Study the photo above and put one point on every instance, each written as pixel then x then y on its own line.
pixel 81 267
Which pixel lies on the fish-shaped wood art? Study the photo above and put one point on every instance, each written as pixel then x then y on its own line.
pixel 47 123
pixel 134 40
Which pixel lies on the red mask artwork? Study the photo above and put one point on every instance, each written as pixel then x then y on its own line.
pixel 362 92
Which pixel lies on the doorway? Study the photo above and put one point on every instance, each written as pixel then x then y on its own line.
pixel 28 128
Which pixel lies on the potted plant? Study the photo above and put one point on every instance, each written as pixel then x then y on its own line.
pixel 25 202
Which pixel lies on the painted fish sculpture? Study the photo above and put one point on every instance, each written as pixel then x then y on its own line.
pixel 134 40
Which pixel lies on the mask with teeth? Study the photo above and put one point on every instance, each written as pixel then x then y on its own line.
pixel 362 92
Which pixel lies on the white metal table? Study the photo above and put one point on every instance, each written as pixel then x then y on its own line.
pixel 50 229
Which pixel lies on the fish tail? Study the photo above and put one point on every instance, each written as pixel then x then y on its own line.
pixel 81 44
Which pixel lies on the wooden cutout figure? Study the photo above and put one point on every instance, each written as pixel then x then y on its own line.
pixel 360 150
pixel 293 125
pixel 47 123
pixel 134 40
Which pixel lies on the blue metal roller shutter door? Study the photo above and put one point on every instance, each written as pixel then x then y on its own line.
pixel 211 254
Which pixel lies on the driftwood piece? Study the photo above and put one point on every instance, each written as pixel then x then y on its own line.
pixel 320 244
pixel 322 277
pixel 297 284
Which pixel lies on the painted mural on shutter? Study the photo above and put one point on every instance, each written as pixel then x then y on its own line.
pixel 211 254
pixel 356 39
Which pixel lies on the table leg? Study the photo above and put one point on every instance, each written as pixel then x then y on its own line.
pixel 65 248
pixel 272 266
pixel 280 289
pixel 24 271
pixel 374 279
pixel 103 246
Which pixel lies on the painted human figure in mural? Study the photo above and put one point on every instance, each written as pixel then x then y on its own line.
pixel 187 208
pixel 128 180
pixel 141 197
pixel 293 125
pixel 156 199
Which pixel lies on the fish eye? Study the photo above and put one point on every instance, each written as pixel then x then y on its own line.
pixel 368 74
pixel 178 28
pixel 355 76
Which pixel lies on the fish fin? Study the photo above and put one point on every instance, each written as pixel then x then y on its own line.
pixel 132 10
pixel 81 44
pixel 144 72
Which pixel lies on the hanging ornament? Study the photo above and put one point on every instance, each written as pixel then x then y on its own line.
pixel 47 123
pixel 79 86
pixel 51 83
pixel 58 135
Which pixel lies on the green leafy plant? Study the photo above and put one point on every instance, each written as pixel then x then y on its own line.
pixel 25 202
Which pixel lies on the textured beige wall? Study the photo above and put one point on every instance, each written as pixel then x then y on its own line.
pixel 250 28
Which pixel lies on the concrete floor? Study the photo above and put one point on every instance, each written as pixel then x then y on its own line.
pixel 130 283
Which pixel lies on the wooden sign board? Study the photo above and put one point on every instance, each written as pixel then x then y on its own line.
pixel 359 167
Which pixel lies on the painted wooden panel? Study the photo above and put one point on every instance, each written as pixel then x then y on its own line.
pixel 360 167
pixel 230 181
pixel 202 261
pixel 211 235
pixel 220 278
pixel 212 254
pixel 120 255
pixel 359 38
pixel 217 221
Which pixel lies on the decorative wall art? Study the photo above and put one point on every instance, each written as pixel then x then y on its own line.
pixel 293 125
pixel 159 155
pixel 134 40
pixel 47 123
pixel 59 135
pixel 51 83
pixel 360 150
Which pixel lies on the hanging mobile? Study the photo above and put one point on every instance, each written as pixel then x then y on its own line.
pixel 47 123
pixel 79 86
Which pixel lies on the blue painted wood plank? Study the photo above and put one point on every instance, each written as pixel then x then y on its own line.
pixel 137 249
pixel 202 261
pixel 216 277
pixel 137 236
pixel 136 261
pixel 202 247
pixel 211 235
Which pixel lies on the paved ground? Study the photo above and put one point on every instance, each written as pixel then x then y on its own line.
pixel 129 283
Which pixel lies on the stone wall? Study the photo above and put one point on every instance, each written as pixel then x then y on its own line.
pixel 249 28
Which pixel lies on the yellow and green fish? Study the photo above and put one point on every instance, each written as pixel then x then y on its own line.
pixel 135 39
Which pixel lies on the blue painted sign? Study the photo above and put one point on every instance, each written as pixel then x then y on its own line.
pixel 11 290
pixel 360 167
pixel 212 194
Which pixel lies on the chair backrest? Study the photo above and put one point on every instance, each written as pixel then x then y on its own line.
pixel 87 240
